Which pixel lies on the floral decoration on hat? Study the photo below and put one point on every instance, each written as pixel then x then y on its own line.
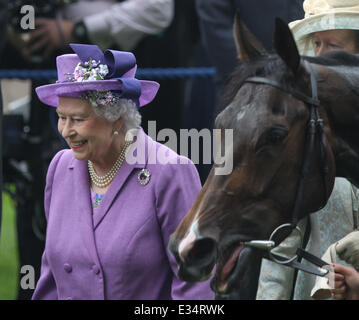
pixel 93 70
pixel 89 71
pixel 102 77
pixel 315 7
pixel 104 98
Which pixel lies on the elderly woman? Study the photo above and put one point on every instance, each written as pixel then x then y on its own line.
pixel 328 25
pixel 109 219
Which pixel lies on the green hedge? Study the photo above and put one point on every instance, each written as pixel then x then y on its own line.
pixel 8 251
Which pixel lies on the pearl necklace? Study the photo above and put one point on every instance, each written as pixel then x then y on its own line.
pixel 103 181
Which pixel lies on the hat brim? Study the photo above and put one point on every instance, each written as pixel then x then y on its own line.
pixel 303 29
pixel 49 94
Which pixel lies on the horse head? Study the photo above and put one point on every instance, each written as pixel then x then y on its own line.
pixel 269 125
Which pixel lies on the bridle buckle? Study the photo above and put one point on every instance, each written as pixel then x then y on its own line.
pixel 276 257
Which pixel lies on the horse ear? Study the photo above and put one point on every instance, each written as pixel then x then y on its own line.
pixel 248 47
pixel 285 45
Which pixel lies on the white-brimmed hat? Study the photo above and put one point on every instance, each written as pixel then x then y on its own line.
pixel 323 15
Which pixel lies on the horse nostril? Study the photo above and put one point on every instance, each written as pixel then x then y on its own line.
pixel 199 259
pixel 202 252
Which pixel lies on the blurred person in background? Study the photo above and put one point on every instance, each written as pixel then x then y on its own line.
pixel 216 25
pixel 3 23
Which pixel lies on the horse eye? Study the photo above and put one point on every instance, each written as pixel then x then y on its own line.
pixel 276 136
pixel 272 137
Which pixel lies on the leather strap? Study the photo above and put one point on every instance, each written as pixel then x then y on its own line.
pixel 300 266
pixel 315 128
pixel 308 229
pixel 311 258
pixel 276 84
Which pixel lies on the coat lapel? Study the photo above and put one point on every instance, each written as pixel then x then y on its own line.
pixel 112 193
pixel 83 206
pixel 119 181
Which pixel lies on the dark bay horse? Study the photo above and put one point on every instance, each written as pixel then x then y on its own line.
pixel 269 122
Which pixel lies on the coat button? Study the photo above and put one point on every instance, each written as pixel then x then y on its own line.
pixel 67 267
pixel 96 269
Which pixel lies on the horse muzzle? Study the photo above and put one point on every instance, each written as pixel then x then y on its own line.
pixel 242 281
pixel 196 260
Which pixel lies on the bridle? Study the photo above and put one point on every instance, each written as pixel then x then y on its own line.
pixel 315 130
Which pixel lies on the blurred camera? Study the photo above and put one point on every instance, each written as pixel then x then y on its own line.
pixel 42 8
pixel 18 35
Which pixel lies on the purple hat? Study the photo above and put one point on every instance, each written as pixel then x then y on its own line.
pixel 92 70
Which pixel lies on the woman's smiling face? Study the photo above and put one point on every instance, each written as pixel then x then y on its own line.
pixel 89 136
pixel 340 39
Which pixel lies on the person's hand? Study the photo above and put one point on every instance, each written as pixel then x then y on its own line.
pixel 49 35
pixel 348 249
pixel 346 283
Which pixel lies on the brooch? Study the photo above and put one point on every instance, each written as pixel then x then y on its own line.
pixel 144 177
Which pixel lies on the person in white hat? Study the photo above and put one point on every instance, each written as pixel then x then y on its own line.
pixel 328 25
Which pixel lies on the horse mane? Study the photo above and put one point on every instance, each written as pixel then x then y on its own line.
pixel 272 64
pixel 262 66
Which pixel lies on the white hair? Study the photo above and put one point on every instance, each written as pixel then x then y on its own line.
pixel 124 107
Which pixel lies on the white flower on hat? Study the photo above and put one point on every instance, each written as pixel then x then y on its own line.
pixel 312 7
pixel 90 70
pixel 103 69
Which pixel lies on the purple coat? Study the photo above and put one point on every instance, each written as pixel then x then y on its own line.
pixel 121 252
